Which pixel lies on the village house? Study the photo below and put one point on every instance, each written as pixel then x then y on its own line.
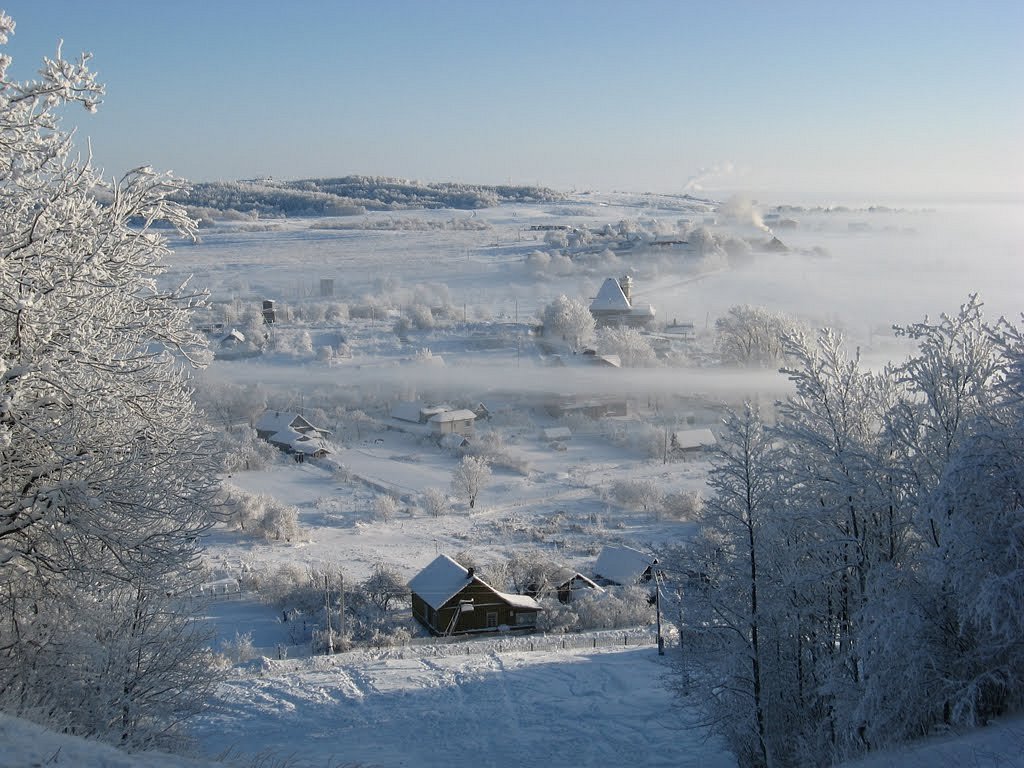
pixel 292 433
pixel 614 305
pixel 451 600
pixel 458 422
pixel 623 566
pixel 438 420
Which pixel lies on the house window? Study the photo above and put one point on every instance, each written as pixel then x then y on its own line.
pixel 526 619
pixel 492 619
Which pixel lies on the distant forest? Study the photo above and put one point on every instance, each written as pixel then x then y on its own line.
pixel 349 196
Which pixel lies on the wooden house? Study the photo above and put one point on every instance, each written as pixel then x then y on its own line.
pixel 451 600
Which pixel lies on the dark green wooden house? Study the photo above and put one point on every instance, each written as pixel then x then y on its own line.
pixel 451 600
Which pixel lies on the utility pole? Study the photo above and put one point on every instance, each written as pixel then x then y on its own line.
pixel 657 603
pixel 327 609
pixel 341 621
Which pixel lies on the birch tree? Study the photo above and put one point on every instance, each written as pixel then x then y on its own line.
pixel 105 466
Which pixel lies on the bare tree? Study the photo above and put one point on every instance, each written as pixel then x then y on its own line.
pixel 470 477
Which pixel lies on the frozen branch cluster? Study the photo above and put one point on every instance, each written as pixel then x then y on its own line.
pixel 864 559
pixel 104 470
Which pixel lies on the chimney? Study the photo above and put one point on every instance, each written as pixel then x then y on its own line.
pixel 626 284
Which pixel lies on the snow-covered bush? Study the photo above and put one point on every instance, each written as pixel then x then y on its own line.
pixel 260 515
pixel 435 502
pixel 239 648
pixel 644 494
pixel 685 506
pixel 241 449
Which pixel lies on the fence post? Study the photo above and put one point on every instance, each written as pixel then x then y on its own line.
pixel 595 642
pixel 625 639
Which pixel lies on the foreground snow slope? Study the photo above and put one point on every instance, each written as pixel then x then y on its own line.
pixel 26 745
pixel 409 708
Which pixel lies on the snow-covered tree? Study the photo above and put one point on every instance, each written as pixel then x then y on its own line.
pixel 633 348
pixel 385 507
pixel 740 516
pixel 752 336
pixel 470 478
pixel 569 319
pixel 106 469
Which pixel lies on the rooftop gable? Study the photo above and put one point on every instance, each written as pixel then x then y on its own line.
pixel 440 581
pixel 610 298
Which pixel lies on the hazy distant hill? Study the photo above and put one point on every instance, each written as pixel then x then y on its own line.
pixel 351 195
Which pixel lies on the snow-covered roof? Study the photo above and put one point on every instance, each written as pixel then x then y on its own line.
pixel 518 601
pixel 279 421
pixel 695 438
pixel 564 575
pixel 286 436
pixel 440 581
pixel 310 445
pixel 622 565
pixel 647 311
pixel 610 298
pixel 459 415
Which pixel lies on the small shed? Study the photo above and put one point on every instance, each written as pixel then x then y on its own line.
pixel 624 566
pixel 449 599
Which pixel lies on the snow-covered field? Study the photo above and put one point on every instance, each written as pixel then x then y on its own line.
pixel 500 706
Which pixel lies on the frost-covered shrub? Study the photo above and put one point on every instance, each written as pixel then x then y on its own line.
pixel 637 494
pixel 682 505
pixel 242 449
pixel 614 608
pixel 402 327
pixel 421 317
pixel 239 648
pixel 260 515
pixel 435 502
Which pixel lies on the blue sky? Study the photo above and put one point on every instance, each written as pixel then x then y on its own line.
pixel 792 101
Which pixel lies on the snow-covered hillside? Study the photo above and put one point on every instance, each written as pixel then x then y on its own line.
pixel 480 287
